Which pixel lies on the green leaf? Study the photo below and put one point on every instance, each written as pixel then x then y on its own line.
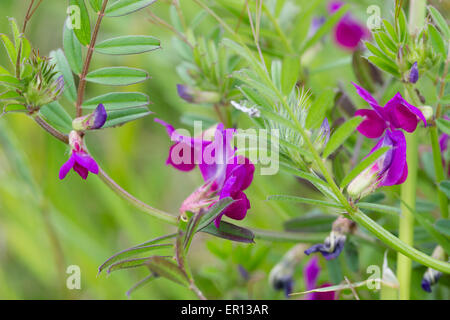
pixel 385 65
pixel 96 5
pixel 391 30
pixel 141 283
pixel 340 135
pixel 117 76
pixel 403 26
pixel 168 269
pixel 387 41
pixel 72 50
pixel 366 162
pixel 231 232
pixel 83 30
pixel 212 213
pixel 445 187
pixel 57 116
pixel 118 100
pixel 351 256
pixel 316 112
pixel 62 65
pixel 127 264
pixel 128 45
pixel 304 200
pixel 440 21
pixel 436 40
pixel 443 226
pixel 310 223
pixel 131 252
pixel 9 81
pixel 124 7
pixel 10 49
pixel 120 117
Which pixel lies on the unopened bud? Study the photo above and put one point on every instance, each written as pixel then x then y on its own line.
pixel 192 95
pixel 93 121
pixel 414 73
pixel 427 112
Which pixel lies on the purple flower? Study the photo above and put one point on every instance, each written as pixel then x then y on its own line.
pixel 431 276
pixel 311 273
pixel 396 114
pixel 334 243
pixel 388 170
pixel 93 121
pixel 414 73
pixel 443 144
pixel 316 23
pixel 224 173
pixel 80 161
pixel 348 32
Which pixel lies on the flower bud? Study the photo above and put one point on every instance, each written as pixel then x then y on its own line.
pixel 365 183
pixel 324 135
pixel 414 73
pixel 192 95
pixel 92 121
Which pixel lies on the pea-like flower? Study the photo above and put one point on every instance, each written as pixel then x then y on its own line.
pixel 225 174
pixel 80 161
pixel 396 114
pixel 414 73
pixel 348 32
pixel 334 243
pixel 389 169
pixel 311 273
pixel 432 276
pixel 193 95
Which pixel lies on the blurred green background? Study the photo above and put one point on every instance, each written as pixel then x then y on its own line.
pixel 47 225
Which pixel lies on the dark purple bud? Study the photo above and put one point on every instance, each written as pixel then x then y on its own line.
pixel 193 95
pixel 430 278
pixel 185 93
pixel 414 73
pixel 331 248
pixel 99 117
pixel 243 272
pixel 95 120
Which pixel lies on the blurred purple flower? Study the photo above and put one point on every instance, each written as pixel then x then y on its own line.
pixel 388 170
pixel 396 114
pixel 193 95
pixel 80 161
pixel 348 32
pixel 316 23
pixel 224 173
pixel 311 273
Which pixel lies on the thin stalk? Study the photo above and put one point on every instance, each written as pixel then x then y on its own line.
pixel 409 187
pixel 87 61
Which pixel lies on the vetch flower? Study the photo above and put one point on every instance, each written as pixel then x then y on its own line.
pixel 334 243
pixel 348 32
pixel 396 114
pixel 414 73
pixel 193 95
pixel 388 170
pixel 431 276
pixel 281 275
pixel 93 121
pixel 224 173
pixel 311 273
pixel 80 161
pixel 316 23
pixel 323 135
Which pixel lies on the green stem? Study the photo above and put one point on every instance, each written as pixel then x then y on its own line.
pixel 406 219
pixel 408 188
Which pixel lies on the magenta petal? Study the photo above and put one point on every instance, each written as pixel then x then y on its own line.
pixel 348 33
pixel 65 168
pixel 403 115
pixel 178 160
pixel 311 273
pixel 238 209
pixel 330 295
pixel 86 161
pixel 82 171
pixel 373 125
pixel 363 93
pixel 396 168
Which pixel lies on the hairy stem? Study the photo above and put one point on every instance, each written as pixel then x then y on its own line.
pixel 87 61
